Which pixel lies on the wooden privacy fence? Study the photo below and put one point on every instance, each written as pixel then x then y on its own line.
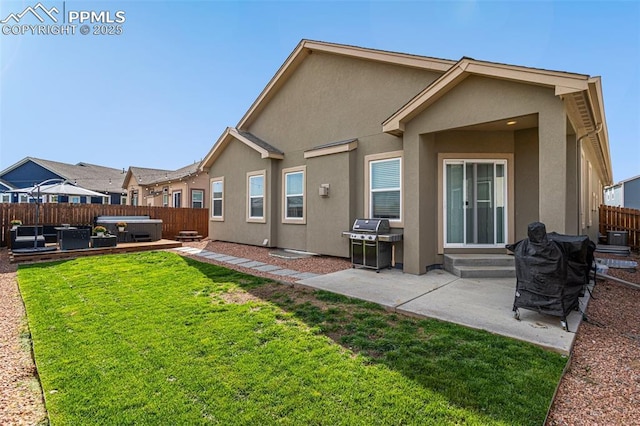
pixel 173 219
pixel 621 219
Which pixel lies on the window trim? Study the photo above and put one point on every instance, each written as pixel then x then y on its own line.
pixel 393 223
pixel 211 182
pixel 173 198
pixel 294 220
pixel 263 218
pixel 201 201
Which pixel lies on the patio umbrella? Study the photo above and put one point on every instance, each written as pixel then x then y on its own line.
pixel 61 188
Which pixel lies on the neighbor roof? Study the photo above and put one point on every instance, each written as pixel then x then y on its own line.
pixel 86 175
pixel 147 176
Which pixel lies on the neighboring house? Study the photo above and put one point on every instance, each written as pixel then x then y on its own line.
pixel 624 194
pixel 185 187
pixel 31 171
pixel 460 156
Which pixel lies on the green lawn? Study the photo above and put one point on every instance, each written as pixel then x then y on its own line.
pixel 155 338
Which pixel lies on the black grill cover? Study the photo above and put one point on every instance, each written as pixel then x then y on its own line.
pixel 578 251
pixel 541 271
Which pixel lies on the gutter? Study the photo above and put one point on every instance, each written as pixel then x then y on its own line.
pixel 597 130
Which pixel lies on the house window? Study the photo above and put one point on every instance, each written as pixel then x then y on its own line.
pixel 197 198
pixel 123 200
pixel 217 199
pixel 74 199
pixel 256 196
pixel 294 199
pixel 5 198
pixel 385 188
pixel 165 197
pixel 177 199
pixel 134 198
pixel 23 198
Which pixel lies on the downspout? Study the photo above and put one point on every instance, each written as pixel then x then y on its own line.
pixel 597 130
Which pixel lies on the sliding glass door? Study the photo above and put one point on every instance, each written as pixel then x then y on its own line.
pixel 475 202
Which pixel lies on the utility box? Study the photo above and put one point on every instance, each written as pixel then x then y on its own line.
pixel 617 238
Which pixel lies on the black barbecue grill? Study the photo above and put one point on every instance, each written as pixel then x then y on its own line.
pixel 371 243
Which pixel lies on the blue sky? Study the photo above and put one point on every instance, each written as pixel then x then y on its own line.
pixel 161 93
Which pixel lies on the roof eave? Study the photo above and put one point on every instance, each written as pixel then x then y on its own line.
pixel 563 83
pixel 224 139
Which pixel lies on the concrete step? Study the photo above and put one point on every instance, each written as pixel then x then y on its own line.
pixel 480 265
pixel 485 271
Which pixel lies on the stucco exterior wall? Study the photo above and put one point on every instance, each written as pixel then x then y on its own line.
pixel 327 216
pixel 233 165
pixel 328 99
pixel 527 183
pixel 474 101
pixel 331 98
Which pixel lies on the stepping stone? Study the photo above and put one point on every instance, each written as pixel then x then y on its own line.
pixel 212 255
pixel 237 260
pixel 226 258
pixel 284 272
pixel 251 264
pixel 305 275
pixel 192 250
pixel 267 268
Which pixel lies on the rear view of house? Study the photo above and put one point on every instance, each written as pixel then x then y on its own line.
pixel 460 156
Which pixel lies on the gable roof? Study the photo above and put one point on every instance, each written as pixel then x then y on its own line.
pixel 6 185
pixel 562 82
pixel 147 176
pixel 581 94
pixel 86 175
pixel 306 47
pixel 252 141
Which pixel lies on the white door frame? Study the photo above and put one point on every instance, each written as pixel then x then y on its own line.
pixel 495 196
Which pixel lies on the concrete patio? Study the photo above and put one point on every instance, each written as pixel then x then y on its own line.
pixel 480 303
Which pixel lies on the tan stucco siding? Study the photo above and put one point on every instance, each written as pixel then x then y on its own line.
pixel 527 181
pixel 329 215
pixel 481 100
pixel 475 101
pixel 332 98
pixel 233 164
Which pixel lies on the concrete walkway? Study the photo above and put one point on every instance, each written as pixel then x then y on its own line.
pixel 247 263
pixel 481 303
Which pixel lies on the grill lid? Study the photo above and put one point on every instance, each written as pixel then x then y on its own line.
pixel 377 226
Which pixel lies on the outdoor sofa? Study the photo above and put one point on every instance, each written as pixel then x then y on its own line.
pixel 23 237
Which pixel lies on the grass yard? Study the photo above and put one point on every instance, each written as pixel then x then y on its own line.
pixel 155 338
